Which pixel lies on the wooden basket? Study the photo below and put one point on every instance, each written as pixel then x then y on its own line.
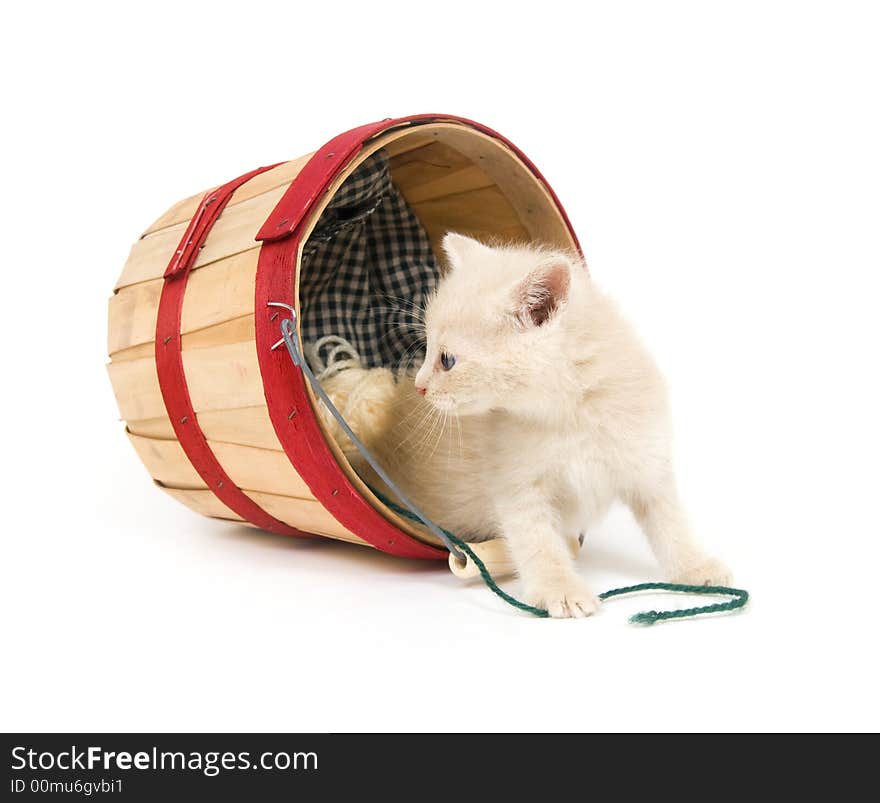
pixel 223 423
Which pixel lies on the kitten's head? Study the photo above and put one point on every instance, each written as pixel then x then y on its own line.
pixel 495 326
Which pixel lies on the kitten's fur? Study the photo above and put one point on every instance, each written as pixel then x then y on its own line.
pixel 552 410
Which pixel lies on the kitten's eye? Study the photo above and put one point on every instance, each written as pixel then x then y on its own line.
pixel 447 360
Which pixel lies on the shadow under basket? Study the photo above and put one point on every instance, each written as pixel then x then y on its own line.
pixel 224 423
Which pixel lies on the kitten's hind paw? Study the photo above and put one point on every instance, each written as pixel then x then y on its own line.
pixel 570 599
pixel 706 572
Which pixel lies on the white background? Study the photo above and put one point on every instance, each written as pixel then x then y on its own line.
pixel 720 164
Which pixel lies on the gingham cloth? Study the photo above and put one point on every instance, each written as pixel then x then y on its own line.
pixel 366 265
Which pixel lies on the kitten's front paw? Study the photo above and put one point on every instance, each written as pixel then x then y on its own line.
pixel 566 599
pixel 707 572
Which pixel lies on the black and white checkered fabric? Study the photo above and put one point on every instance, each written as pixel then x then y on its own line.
pixel 366 266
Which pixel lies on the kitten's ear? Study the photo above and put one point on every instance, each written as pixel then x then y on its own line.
pixel 460 249
pixel 542 292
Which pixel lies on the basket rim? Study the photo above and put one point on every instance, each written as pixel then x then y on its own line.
pixel 286 391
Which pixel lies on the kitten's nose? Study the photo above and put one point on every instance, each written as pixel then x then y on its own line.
pixel 421 390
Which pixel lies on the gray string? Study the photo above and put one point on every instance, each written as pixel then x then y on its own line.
pixel 290 338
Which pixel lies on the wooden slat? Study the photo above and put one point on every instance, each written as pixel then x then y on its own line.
pixel 452 183
pixel 432 160
pixel 149 257
pixel 218 378
pixel 307 516
pixel 534 206
pixel 239 330
pixel 221 292
pixel 223 376
pixel 182 211
pixel 233 233
pixel 166 462
pixel 133 353
pixel 252 469
pixel 303 513
pixel 131 315
pixel 246 426
pixel 266 477
pixel 481 210
pixel 235 331
pixel 276 177
pixel 260 470
pixel 158 428
pixel 513 234
pixel 203 502
pixel 136 387
pixel 407 142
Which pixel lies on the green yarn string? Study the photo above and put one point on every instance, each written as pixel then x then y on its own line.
pixel 738 597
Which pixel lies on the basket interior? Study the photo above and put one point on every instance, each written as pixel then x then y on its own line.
pixel 457 179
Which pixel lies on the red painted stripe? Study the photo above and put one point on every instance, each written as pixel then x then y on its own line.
pixel 169 363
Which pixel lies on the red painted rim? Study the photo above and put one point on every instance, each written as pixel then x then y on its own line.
pixel 284 385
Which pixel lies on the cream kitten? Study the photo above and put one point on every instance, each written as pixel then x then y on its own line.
pixel 535 408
